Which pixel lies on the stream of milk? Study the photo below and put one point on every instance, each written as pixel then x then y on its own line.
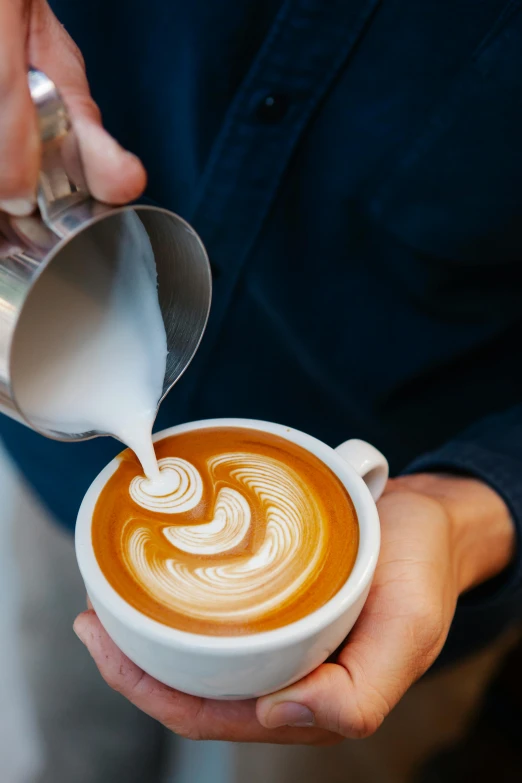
pixel 90 350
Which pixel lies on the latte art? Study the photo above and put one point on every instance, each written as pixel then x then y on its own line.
pixel 243 588
pixel 226 531
pixel 239 535
pixel 179 489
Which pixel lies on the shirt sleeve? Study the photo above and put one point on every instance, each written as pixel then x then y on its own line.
pixel 490 450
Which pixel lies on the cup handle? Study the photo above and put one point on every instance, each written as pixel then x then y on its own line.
pixel 368 462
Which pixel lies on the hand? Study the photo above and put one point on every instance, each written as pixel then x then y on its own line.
pixel 440 536
pixel 30 33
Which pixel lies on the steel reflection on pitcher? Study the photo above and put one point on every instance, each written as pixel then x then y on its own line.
pixel 33 249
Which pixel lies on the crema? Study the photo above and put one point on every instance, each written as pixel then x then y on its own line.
pixel 245 532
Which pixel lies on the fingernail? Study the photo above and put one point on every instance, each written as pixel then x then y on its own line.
pixel 289 714
pixel 18 207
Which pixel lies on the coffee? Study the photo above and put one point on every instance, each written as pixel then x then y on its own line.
pixel 249 532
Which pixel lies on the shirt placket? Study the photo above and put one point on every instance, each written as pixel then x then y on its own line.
pixel 308 43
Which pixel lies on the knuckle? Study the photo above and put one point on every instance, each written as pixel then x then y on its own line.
pixel 83 103
pixel 122 679
pixel 364 722
pixel 426 627
pixel 186 731
pixel 191 725
pixel 192 733
pixel 428 630
pixel 180 730
pixel 75 52
pixel 367 708
pixel 115 678
pixel 423 610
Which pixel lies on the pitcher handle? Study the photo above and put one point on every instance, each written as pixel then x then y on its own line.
pixel 62 182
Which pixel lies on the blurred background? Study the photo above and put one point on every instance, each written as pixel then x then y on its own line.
pixel 60 723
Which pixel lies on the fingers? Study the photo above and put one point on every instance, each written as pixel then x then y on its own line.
pixel 398 636
pixel 29 32
pixel 122 675
pixel 186 715
pixel 113 174
pixel 19 139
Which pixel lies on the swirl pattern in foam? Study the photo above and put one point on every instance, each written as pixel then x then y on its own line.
pixel 254 585
pixel 234 541
pixel 179 489
pixel 226 531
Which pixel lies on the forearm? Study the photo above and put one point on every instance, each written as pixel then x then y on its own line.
pixel 482 529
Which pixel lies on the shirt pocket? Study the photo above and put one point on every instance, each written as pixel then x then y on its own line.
pixel 455 193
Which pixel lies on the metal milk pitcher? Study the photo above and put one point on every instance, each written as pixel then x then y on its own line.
pixel 65 209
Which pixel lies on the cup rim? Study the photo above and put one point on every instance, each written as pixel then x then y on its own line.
pixel 102 592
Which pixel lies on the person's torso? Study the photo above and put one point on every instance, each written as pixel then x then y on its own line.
pixel 354 169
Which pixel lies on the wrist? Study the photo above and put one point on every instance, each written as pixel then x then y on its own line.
pixel 482 531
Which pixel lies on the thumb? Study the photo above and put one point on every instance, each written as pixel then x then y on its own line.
pixel 398 635
pixel 330 698
pixel 387 651
pixel 113 174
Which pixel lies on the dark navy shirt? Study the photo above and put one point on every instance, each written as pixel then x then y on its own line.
pixel 354 168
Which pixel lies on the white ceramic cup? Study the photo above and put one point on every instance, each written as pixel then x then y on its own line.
pixel 240 667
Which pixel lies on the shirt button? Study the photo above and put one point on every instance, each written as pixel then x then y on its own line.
pixel 272 108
